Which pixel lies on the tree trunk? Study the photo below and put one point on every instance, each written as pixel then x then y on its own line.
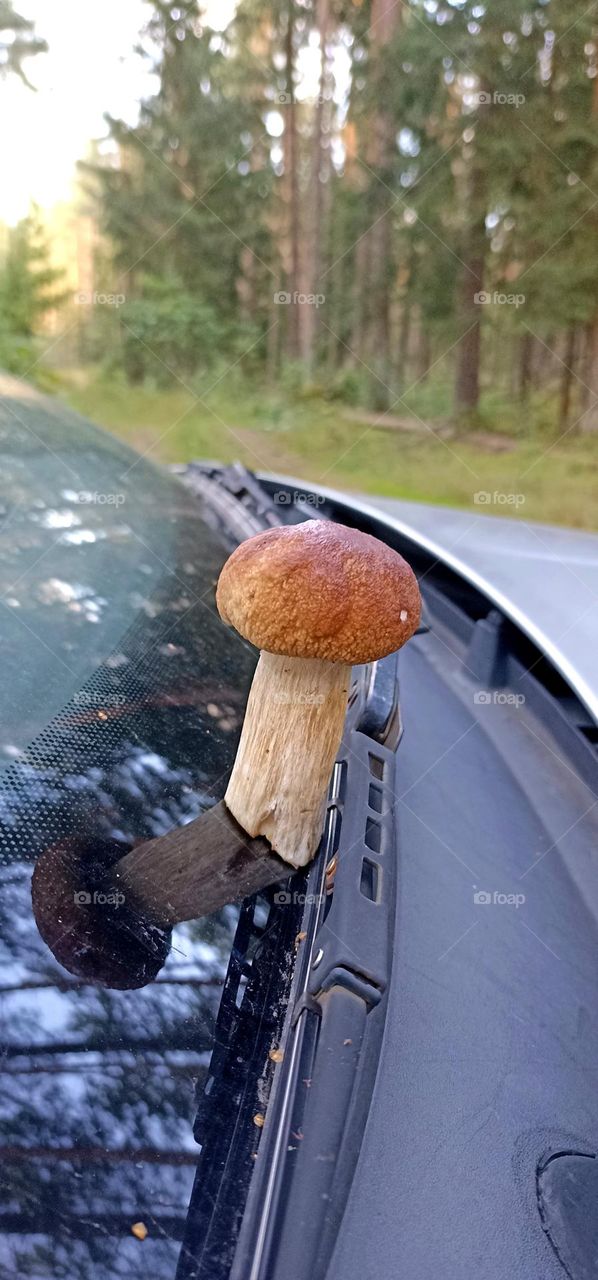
pixel 467 385
pixel 589 422
pixel 424 356
pixel 314 220
pixel 273 346
pixel 360 284
pixel 586 367
pixel 291 165
pixel 526 348
pixel 406 318
pixel 404 338
pixel 375 250
pixel 567 375
pixel 471 284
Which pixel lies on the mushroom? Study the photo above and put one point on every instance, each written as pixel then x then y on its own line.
pixel 315 598
pixel 87 924
pixel 106 912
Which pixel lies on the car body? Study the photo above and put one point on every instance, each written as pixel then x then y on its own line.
pixel 383 1066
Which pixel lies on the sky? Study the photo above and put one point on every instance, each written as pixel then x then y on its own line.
pixel 90 69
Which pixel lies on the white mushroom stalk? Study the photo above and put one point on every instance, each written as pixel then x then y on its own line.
pixel 315 598
pixel 293 727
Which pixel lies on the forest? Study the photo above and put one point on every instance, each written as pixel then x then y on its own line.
pixel 382 208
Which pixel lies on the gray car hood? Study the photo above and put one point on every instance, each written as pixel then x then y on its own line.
pixel 543 577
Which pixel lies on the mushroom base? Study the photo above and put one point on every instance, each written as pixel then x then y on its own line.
pixel 291 734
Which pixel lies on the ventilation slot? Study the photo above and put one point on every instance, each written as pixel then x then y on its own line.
pixel 373 832
pixel 370 880
pixel 376 767
pixel 375 799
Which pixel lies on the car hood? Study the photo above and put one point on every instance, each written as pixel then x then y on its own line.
pixel 543 577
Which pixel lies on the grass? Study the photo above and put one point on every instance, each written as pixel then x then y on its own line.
pixel 539 477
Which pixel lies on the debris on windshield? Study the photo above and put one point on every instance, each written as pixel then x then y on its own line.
pixel 331 870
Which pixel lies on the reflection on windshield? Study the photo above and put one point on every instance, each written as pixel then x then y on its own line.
pixel 92 540
pixel 120 713
pixel 98 1098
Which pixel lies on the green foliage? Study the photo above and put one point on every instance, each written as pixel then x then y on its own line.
pixel 28 284
pixel 326 443
pixel 462 160
pixel 172 335
pixel 25 278
pixel 349 386
pixel 184 210
pixel 17 353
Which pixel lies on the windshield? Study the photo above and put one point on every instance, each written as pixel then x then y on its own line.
pixel 102 559
pixel 121 704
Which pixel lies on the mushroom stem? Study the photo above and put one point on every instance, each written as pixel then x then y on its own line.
pixel 291 734
pixel 194 870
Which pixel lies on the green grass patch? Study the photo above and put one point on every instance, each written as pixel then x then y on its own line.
pixel 320 440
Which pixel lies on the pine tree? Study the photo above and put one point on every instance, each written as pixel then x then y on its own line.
pixel 29 285
pixel 184 204
pixel 463 165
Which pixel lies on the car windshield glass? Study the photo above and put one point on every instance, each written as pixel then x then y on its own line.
pixel 120 709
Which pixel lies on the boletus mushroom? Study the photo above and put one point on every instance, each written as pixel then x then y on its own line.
pixel 316 598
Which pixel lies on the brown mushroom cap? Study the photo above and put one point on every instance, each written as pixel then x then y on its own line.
pixel 95 940
pixel 320 590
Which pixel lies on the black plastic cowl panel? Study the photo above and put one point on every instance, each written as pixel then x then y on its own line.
pixel 322 1090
